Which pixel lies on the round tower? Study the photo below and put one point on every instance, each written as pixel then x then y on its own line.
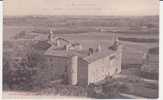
pixel 99 49
pixel 50 36
pixel 116 43
pixel 72 73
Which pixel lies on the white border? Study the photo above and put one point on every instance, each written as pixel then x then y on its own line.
pixel 161 53
pixel 161 49
pixel 1 43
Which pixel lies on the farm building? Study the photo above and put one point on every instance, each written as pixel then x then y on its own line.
pixel 80 66
pixel 150 68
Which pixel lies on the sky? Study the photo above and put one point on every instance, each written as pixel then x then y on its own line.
pixel 81 7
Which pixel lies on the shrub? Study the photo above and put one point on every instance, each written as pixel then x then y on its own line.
pixel 23 74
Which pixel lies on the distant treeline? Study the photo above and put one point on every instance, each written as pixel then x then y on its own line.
pixel 77 30
pixel 66 30
pixel 64 21
pixel 149 40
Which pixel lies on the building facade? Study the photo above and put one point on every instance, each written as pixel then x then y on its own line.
pixel 78 66
pixel 83 70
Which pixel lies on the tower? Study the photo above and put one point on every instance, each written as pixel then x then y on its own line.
pixel 116 43
pixel 90 51
pixel 50 36
pixel 99 49
pixel 57 42
pixel 115 38
pixel 73 70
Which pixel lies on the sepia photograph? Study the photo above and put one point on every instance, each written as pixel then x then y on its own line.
pixel 91 49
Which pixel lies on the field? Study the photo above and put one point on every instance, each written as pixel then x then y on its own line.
pixel 91 30
pixel 137 34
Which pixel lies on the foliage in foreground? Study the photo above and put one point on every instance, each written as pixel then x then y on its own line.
pixel 21 69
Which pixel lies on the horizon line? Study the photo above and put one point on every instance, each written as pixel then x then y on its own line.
pixel 81 15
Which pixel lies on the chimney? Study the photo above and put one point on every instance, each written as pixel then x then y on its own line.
pixel 80 47
pixel 50 36
pixel 115 43
pixel 57 42
pixel 66 47
pixel 99 49
pixel 90 51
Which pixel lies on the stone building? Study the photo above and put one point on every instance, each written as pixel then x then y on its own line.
pixel 79 66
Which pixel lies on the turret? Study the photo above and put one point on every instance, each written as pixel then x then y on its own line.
pixel 115 43
pixel 50 36
pixel 57 42
pixel 90 51
pixel 99 49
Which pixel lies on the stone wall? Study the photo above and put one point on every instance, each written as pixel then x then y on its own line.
pixel 82 72
pixel 98 70
pixel 107 66
pixel 77 69
pixel 57 66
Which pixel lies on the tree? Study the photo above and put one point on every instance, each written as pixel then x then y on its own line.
pixel 25 73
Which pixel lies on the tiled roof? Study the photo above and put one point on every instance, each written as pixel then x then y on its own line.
pixel 59 51
pixel 98 55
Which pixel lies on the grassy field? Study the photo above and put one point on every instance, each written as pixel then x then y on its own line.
pixel 83 24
